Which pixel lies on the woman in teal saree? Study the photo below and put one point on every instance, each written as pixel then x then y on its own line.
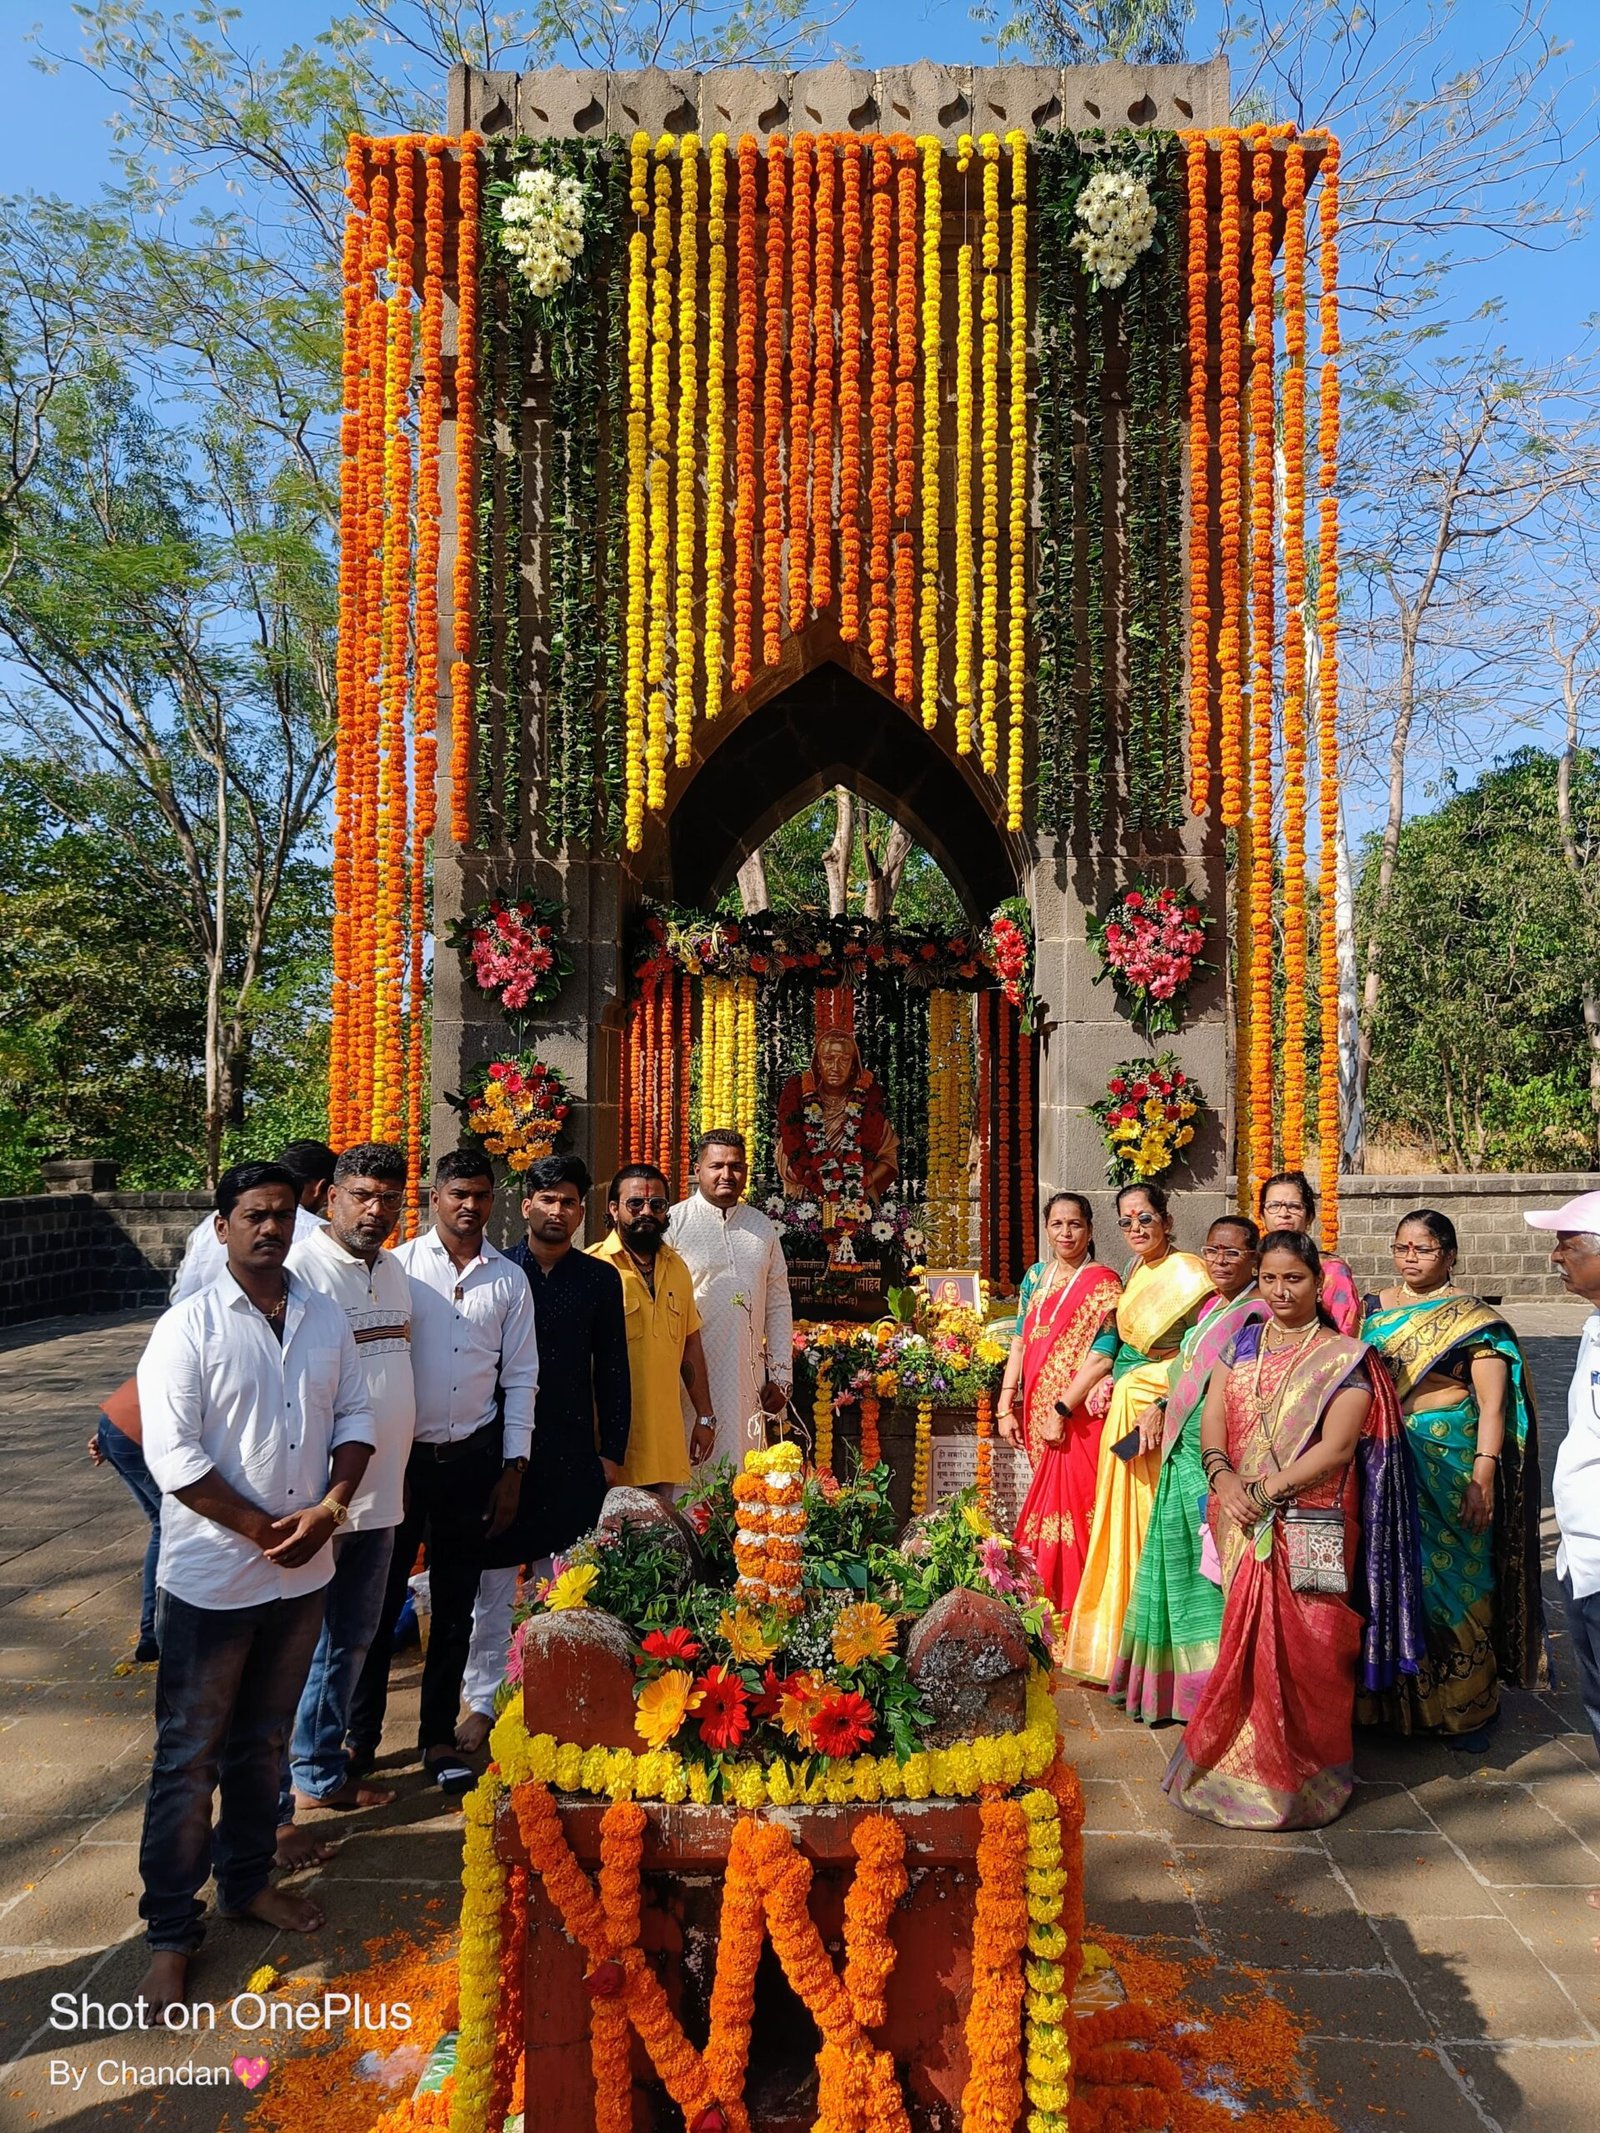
pixel 1470 1426
pixel 1174 1618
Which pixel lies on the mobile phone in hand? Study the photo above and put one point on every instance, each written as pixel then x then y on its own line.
pixel 1126 1447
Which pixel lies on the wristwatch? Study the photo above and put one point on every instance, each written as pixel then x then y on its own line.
pixel 341 1511
pixel 706 1422
pixel 514 1466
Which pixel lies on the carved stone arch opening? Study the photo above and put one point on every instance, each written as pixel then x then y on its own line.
pixel 829 728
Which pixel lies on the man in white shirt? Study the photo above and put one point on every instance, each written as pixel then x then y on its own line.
pixel 310 1164
pixel 741 1290
pixel 257 1431
pixel 345 1259
pixel 1576 1487
pixel 475 1363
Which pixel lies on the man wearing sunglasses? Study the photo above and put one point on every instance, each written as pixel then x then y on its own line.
pixel 664 1347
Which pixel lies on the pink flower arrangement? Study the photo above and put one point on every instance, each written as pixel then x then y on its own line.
pixel 1150 944
pixel 514 952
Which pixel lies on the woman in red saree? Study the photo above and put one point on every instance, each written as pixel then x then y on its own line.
pixel 1296 1423
pixel 1064 1302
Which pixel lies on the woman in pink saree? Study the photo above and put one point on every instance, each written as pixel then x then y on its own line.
pixel 1065 1300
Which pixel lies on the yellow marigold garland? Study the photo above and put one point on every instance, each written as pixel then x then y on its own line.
pixel 922 1459
pixel 772 495
pixel 686 471
pixel 1048 2000
pixel 744 484
pixel 483 1883
pixel 989 466
pixel 1294 657
pixel 660 480
pixel 1230 501
pixel 461 722
pixel 1017 648
pixel 963 478
pixel 637 505
pixel 932 235
pixel 747 1079
pixel 1329 1134
pixel 822 1422
pixel 716 411
pixel 906 351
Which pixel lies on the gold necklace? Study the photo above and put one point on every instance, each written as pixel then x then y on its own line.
pixel 1418 1296
pixel 1295 1350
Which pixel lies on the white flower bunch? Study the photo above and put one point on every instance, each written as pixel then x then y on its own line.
pixel 541 226
pixel 1119 222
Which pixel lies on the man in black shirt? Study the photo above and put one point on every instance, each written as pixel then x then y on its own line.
pixel 580 1416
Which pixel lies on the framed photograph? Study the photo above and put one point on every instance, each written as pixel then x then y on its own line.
pixel 954 1285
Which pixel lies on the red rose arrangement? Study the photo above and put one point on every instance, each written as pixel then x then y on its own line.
pixel 1147 1116
pixel 1150 943
pixel 1008 948
pixel 516 1108
pixel 514 952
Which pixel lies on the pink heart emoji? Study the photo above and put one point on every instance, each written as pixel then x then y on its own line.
pixel 252 2072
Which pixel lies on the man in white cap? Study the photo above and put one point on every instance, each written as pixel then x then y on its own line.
pixel 1576 1258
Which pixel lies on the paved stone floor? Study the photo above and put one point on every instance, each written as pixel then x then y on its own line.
pixel 1436 1943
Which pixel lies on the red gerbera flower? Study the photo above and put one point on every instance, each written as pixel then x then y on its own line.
pixel 843 1724
pixel 774 1687
pixel 675 1644
pixel 724 1714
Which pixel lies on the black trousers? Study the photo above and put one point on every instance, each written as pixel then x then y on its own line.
pixel 446 1499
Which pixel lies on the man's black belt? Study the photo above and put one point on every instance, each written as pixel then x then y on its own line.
pixel 481 1440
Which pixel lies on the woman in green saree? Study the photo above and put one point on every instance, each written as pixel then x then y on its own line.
pixel 1174 1618
pixel 1468 1405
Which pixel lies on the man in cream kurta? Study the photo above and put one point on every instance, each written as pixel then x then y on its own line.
pixel 741 1290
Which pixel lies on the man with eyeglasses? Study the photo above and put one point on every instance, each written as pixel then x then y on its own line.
pixel 664 1346
pixel 345 1260
pixel 1575 1490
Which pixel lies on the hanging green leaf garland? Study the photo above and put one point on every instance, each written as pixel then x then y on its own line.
pixel 548 311
pixel 1109 606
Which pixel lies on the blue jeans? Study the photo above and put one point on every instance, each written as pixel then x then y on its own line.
pixel 119 1450
pixel 317 1763
pixel 1583 1626
pixel 226 1689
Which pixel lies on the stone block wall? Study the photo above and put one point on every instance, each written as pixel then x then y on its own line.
pixel 71 1252
pixel 1500 1255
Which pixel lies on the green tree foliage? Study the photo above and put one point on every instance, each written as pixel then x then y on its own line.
pixel 1480 1053
pixel 1072 33
pixel 796 879
pixel 103 987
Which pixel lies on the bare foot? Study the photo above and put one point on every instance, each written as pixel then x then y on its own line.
pixel 282 1908
pixel 472 1732
pixel 299 1848
pixel 161 1986
pixel 1594 1898
pixel 352 1793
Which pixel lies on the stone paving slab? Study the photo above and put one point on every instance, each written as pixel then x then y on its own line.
pixel 1436 1944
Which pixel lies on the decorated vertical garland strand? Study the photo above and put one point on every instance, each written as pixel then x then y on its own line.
pixel 638 487
pixel 744 387
pixel 882 404
pixel 850 397
pixel 772 404
pixel 1019 480
pixel 376 338
pixel 716 412
pixel 462 692
pixel 1329 1125
pixel 351 635
pixel 659 480
pixel 1230 444
pixel 964 693
pixel 686 472
pixel 932 235
pixel 1294 656
pixel 989 465
pixel 821 468
pixel 800 302
pixel 1262 586
pixel 1197 165
pixel 906 334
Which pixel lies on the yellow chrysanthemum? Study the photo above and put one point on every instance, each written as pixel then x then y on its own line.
pixel 571 1589
pixel 740 1629
pixel 862 1632
pixel 664 1704
pixel 976 1521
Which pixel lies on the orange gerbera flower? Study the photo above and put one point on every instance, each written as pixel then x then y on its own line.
pixel 664 1704
pixel 862 1632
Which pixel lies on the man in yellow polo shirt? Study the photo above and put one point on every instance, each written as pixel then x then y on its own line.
pixel 664 1348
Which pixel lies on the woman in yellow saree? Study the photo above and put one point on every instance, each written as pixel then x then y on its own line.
pixel 1468 1405
pixel 1161 1300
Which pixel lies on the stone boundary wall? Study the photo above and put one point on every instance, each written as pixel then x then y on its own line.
pixel 67 1252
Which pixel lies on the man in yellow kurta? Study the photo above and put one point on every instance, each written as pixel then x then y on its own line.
pixel 664 1348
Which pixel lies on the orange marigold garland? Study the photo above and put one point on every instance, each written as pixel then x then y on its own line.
pixel 983 1475
pixel 388 1094
pixel 509 2040
pixel 964 694
pixel 1329 1125
pixel 1262 567
pixel 744 391
pixel 638 440
pixel 850 398
pixel 871 1448
pixel 772 404
pixel 351 628
pixel 1294 656
pixel 905 417
pixel 879 1882
pixel 800 383
pixel 365 898
pixel 827 166
pixel 989 465
pixel 466 489
pixel 1198 162
pixel 716 412
pixel 659 481
pixel 992 2100
pixel 932 234
pixel 881 496
pixel 741 1930
pixel 429 511
pixel 1230 501
pixel 686 471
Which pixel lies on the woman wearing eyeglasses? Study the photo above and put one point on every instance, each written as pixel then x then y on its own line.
pixel 1467 1398
pixel 1288 1202
pixel 1161 1298
pixel 1174 1618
